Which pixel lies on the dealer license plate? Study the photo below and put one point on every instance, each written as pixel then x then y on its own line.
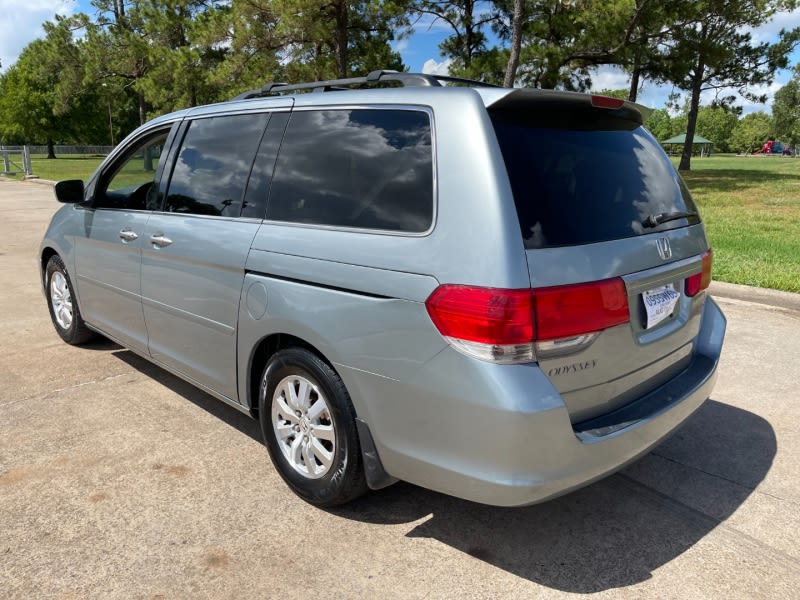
pixel 660 303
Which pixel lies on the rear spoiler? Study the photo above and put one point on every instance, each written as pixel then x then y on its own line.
pixel 554 102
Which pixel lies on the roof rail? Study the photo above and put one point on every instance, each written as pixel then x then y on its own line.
pixel 372 78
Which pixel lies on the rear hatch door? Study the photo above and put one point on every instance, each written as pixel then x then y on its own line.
pixel 598 199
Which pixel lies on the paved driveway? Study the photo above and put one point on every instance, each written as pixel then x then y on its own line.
pixel 118 480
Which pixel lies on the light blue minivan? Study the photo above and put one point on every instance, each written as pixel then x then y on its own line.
pixel 499 294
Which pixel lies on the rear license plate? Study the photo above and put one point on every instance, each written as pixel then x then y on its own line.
pixel 659 304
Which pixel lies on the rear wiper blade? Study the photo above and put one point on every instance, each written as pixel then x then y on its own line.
pixel 656 220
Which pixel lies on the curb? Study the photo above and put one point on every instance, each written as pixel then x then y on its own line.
pixel 31 180
pixel 785 300
pixel 40 181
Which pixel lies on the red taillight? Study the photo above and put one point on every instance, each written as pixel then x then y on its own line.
pixel 607 102
pixel 697 283
pixel 571 310
pixel 483 315
pixel 506 317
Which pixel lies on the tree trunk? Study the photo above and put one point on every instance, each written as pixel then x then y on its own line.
pixel 142 111
pixel 691 124
pixel 634 91
pixel 636 74
pixel 516 44
pixel 51 150
pixel 147 162
pixel 469 34
pixel 341 38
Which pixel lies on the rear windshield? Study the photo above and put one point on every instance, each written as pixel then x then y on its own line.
pixel 573 184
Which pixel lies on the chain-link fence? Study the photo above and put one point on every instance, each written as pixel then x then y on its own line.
pixel 72 150
pixel 21 160
pixel 14 160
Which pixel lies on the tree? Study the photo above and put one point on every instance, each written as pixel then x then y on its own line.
pixel 619 94
pixel 466 43
pixel 677 124
pixel 181 58
pixel 716 123
pixel 24 108
pixel 549 36
pixel 562 41
pixel 118 52
pixel 516 44
pixel 751 132
pixel 336 38
pixel 659 124
pixel 250 31
pixel 42 98
pixel 372 27
pixel 657 24
pixel 786 111
pixel 162 54
pixel 141 58
pixel 718 52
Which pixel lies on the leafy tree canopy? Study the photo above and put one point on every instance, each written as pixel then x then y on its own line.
pixel 751 132
pixel 135 59
pixel 786 111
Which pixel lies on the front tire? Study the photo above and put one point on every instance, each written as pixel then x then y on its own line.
pixel 61 301
pixel 308 423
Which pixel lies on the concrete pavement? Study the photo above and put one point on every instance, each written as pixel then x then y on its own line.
pixel 118 480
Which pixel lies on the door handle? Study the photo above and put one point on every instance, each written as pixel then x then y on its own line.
pixel 126 235
pixel 159 240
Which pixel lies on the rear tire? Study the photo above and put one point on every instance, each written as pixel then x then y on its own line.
pixel 308 423
pixel 63 305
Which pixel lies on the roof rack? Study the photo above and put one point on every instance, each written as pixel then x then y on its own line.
pixel 372 78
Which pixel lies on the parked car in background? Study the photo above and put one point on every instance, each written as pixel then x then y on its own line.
pixel 499 294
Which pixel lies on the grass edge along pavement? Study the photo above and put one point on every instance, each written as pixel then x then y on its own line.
pixel 750 206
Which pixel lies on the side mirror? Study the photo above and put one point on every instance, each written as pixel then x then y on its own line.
pixel 69 191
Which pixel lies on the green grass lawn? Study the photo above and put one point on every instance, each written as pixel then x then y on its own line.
pixel 66 166
pixel 750 206
pixel 751 210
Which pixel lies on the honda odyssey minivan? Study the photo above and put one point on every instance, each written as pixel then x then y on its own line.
pixel 499 294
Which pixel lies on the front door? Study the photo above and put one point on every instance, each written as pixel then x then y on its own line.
pixel 109 255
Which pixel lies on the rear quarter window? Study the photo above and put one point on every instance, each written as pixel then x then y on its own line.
pixel 355 168
pixel 581 182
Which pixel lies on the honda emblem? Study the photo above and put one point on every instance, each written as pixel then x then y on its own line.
pixel 664 251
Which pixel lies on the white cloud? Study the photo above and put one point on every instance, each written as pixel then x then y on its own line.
pixel 401 45
pixel 437 68
pixel 782 20
pixel 610 78
pixel 21 23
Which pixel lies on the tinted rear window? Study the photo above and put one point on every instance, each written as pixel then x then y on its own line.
pixel 362 168
pixel 578 185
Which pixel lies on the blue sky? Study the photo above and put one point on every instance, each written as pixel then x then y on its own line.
pixel 21 23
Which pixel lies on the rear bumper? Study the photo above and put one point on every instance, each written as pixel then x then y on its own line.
pixel 501 435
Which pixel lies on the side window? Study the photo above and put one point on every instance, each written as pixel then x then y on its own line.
pixel 132 180
pixel 213 165
pixel 363 168
pixel 255 198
